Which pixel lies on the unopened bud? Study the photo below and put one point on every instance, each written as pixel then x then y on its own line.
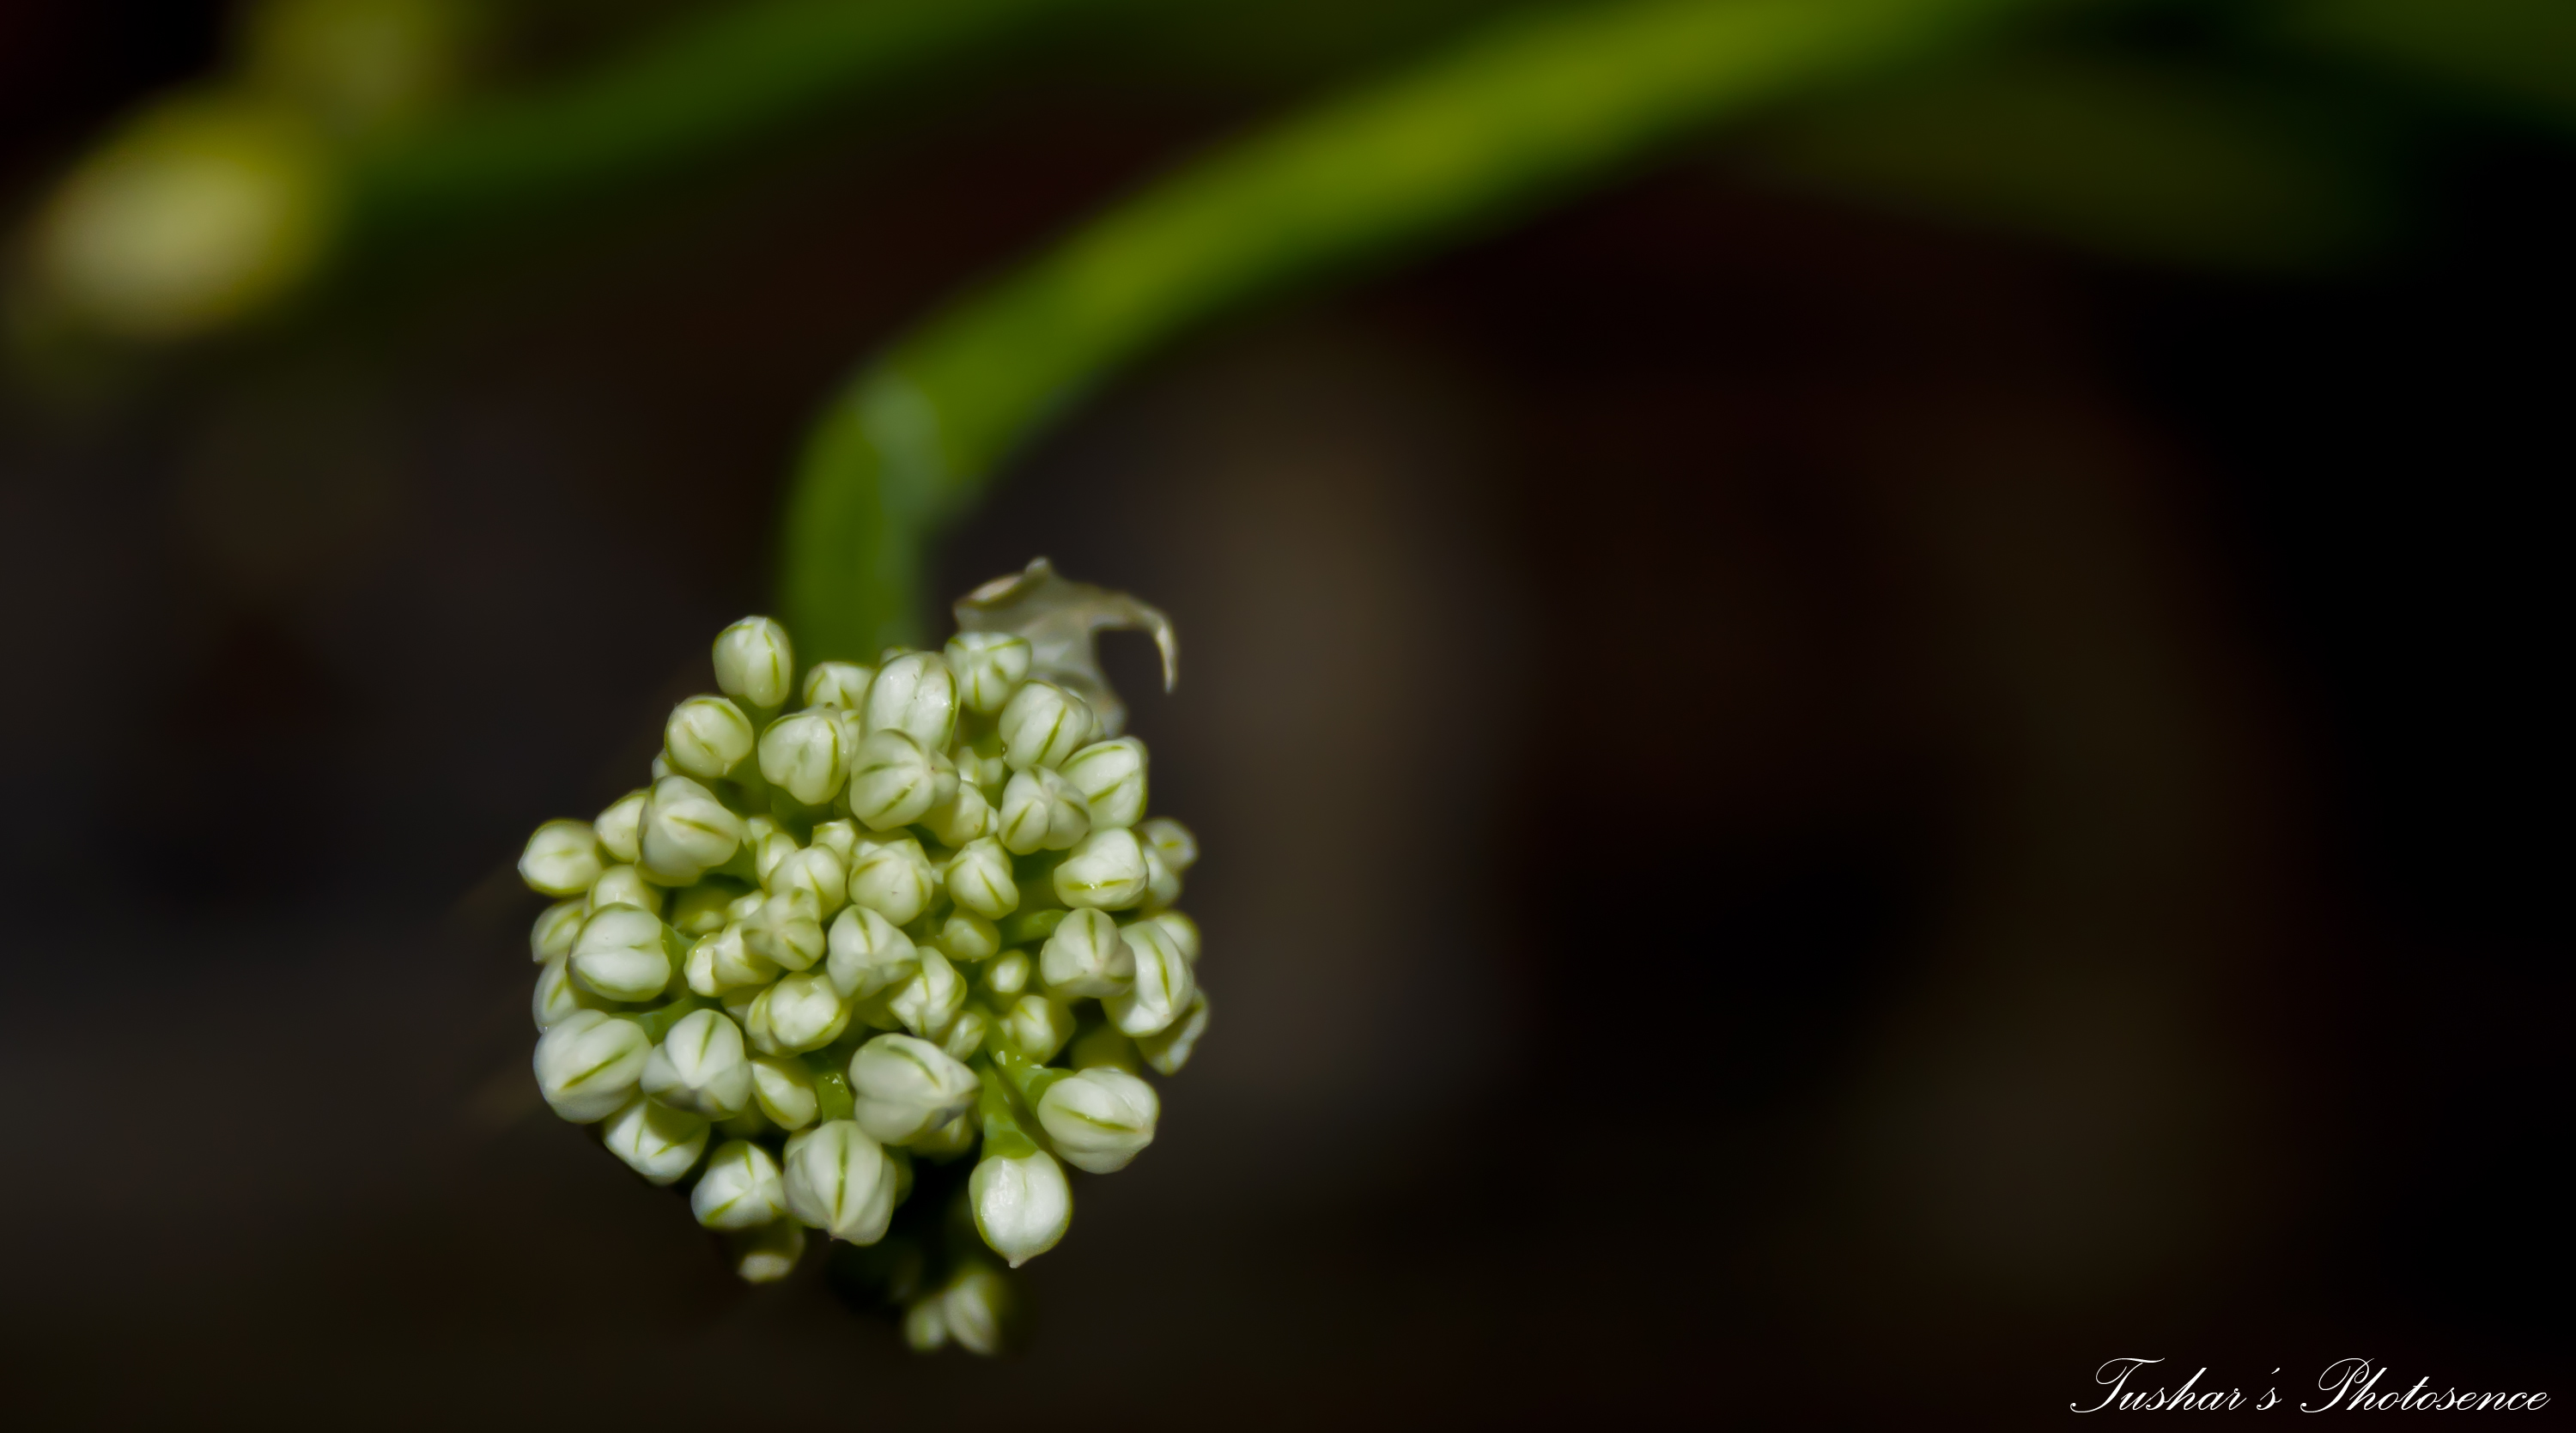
pixel 799 1013
pixel 1008 975
pixel 902 1087
pixel 1106 871
pixel 962 817
pixel 868 953
pixel 1037 1026
pixel 589 1064
pixel 1099 1119
pixel 656 1141
pixel 740 1190
pixel 990 666
pixel 562 859
pixel 818 872
pixel 1043 724
pixel 687 832
pixel 787 930
pixel 1040 809
pixel 925 1328
pixel 1162 883
pixel 700 1067
pixel 1162 987
pixel 977 1309
pixel 965 1037
pixel 557 997
pixel 893 780
pixel 621 955
pixel 706 737
pixel 947 1140
pixel 755 662
pixel 802 754
pixel 969 937
pixel 767 1254
pixel 723 963
pixel 621 825
pixel 1022 1205
pixel 1168 1050
pixel 982 765
pixel 556 926
pixel 1183 931
pixel 1110 777
pixel 624 886
pixel 704 908
pixel 893 877
pixel 839 1181
pixel 842 686
pixel 929 1003
pixel 979 879
pixel 838 837
pixel 1086 956
pixel 916 694
pixel 782 1089
pixel 1180 849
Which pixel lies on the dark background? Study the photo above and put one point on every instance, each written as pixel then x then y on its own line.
pixel 1811 819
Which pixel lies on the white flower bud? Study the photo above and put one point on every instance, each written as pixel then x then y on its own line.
pixel 916 694
pixel 925 1328
pixel 768 844
pixel 839 1181
pixel 767 1254
pixel 706 737
pixel 990 666
pixel 703 909
pixel 1009 975
pixel 556 926
pixel 929 1003
pixel 1169 1049
pixel 562 859
pixel 687 831
pixel 557 997
pixel 949 1139
pixel 1162 883
pixel 724 962
pixel 975 1309
pixel 960 818
pixel 624 886
pixel 902 1087
pixel 1110 778
pixel 817 871
pixel 965 1037
pixel 982 765
pixel 783 1089
pixel 1022 1205
pixel 893 781
pixel 1180 849
pixel 802 754
pixel 868 954
pixel 1037 1026
pixel 755 662
pixel 893 877
pixel 969 937
pixel 621 825
pixel 1162 987
pixel 838 837
pixel 1041 809
pixel 700 1067
pixel 842 686
pixel 1106 870
pixel 979 879
pixel 1099 1119
pixel 740 1189
pixel 588 1064
pixel 1183 931
pixel 1043 724
pixel 787 930
pixel 1086 956
pixel 620 955
pixel 799 1013
pixel 656 1142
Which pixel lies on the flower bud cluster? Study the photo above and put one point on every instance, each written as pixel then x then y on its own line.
pixel 920 916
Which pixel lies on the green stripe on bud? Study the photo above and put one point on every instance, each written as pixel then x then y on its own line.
pixel 965 1038
pixel 620 955
pixel 686 832
pixel 799 1013
pixel 740 1190
pixel 557 997
pixel 624 886
pixel 703 909
pixel 786 930
pixel 656 1141
pixel 930 1002
pixel 969 937
pixel 893 780
pixel 990 667
pixel 868 953
pixel 782 1089
pixel 1043 724
pixel 1105 870
pixel 1169 1049
pixel 802 754
pixel 839 1180
pixel 1086 956
pixel 706 737
pixel 620 827
pixel 818 872
pixel 842 686
pixel 1179 849
pixel 562 859
pixel 755 661
pixel 701 1067
pixel 1036 1026
pixel 979 879
pixel 1162 987
pixel 589 1063
pixel 893 877
pixel 902 1087
pixel 1099 1119
pixel 1110 778
pixel 961 817
pixel 556 926
pixel 915 694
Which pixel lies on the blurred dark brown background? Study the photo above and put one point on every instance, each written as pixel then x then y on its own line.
pixel 1813 820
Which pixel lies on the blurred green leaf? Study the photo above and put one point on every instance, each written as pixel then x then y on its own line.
pixel 1519 113
pixel 2134 159
pixel 2512 57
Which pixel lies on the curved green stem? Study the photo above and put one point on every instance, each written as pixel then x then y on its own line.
pixel 1523 111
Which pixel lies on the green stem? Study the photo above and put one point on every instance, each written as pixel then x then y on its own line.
pixel 1524 111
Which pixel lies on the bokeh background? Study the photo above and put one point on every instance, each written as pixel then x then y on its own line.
pixel 1829 797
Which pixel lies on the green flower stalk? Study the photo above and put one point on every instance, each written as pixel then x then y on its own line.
pixel 817 980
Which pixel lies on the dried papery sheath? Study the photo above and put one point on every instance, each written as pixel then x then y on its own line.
pixel 868 920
